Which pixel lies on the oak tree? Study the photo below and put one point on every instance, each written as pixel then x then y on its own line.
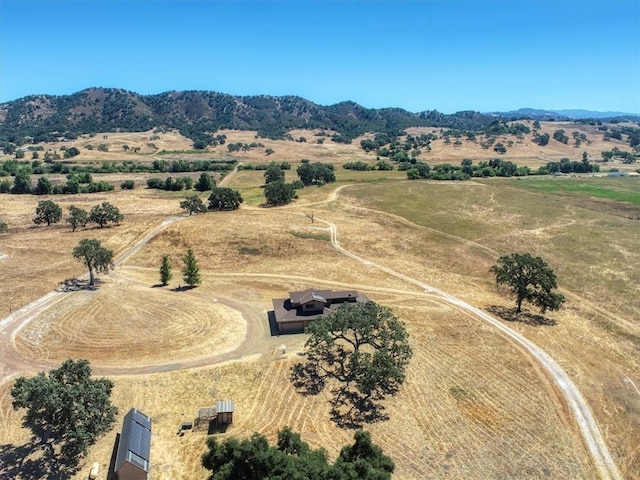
pixel 104 214
pixel 224 198
pixel 47 212
pixel 361 353
pixel 193 204
pixel 279 193
pixel 95 257
pixel 66 407
pixel 529 278
pixel 77 217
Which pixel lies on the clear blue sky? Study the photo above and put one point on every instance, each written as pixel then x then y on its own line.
pixel 448 55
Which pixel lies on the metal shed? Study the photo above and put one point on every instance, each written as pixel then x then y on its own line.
pixel 224 410
pixel 134 447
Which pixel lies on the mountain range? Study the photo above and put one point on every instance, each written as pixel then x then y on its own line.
pixel 197 114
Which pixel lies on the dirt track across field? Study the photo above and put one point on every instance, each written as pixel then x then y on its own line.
pixel 13 363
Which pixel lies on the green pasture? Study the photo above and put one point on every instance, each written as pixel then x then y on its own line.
pixel 623 189
pixel 594 252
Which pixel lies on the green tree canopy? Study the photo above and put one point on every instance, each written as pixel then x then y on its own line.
pixel 22 181
pixel 361 352
pixel 190 270
pixel 47 212
pixel 279 193
pixel 318 172
pixel 105 213
pixel 205 182
pixel 165 270
pixel 77 217
pixel 273 173
pixel 529 278
pixel 43 187
pixel 291 458
pixel 95 257
pixel 193 204
pixel 67 406
pixel 224 198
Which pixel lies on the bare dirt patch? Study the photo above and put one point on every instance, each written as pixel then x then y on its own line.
pixel 137 323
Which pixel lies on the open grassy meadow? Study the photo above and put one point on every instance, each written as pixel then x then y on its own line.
pixel 475 405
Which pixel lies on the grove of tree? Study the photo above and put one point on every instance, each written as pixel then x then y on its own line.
pixel 315 173
pixel 291 458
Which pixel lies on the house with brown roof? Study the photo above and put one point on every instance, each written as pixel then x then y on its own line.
pixel 293 314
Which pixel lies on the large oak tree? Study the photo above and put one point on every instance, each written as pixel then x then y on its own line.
pixel 529 278
pixel 361 353
pixel 66 407
pixel 95 257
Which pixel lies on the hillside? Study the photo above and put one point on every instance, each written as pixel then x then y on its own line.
pixel 197 113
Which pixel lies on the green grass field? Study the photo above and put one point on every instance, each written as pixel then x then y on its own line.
pixel 625 189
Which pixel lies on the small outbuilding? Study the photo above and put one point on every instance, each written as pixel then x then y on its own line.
pixel 206 416
pixel 134 447
pixel 224 410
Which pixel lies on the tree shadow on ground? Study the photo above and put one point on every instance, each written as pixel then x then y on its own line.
pixel 182 288
pixel 350 409
pixel 528 318
pixel 33 461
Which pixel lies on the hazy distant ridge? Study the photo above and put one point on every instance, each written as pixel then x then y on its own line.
pixel 564 114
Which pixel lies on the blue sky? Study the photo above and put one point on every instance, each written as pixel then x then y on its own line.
pixel 453 55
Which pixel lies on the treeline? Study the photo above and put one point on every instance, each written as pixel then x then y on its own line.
pixel 76 183
pixel 79 178
pixel 493 168
pixel 11 167
pixel 264 166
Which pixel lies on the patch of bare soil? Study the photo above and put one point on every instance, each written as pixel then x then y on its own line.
pixel 119 321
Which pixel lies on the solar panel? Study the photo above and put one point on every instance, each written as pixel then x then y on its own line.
pixel 140 440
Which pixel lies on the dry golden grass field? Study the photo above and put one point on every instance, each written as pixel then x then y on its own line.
pixel 475 404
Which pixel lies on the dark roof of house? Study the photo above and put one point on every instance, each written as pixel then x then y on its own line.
pixel 135 441
pixel 299 298
pixel 285 309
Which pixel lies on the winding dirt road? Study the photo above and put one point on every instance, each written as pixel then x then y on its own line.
pixel 13 364
pixel 582 414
